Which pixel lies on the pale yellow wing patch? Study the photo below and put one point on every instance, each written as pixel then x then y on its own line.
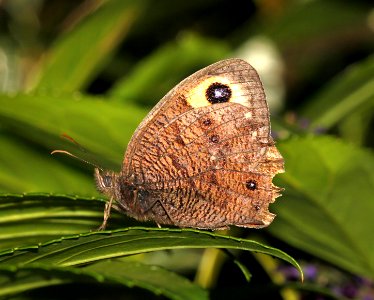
pixel 196 97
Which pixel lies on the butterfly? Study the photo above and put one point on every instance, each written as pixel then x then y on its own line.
pixel 203 157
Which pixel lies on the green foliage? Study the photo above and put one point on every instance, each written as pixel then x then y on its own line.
pixel 89 247
pixel 96 81
pixel 96 38
pixel 328 207
pixel 346 95
pixel 194 50
pixel 127 273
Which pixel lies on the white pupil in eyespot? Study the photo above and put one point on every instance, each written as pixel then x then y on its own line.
pixel 218 93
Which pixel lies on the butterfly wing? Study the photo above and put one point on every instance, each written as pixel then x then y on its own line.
pixel 204 157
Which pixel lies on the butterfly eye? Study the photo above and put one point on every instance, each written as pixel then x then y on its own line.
pixel 218 93
pixel 107 181
pixel 251 185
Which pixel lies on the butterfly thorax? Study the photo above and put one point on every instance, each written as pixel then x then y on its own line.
pixel 126 195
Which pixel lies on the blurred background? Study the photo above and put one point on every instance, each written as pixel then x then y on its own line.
pixel 93 69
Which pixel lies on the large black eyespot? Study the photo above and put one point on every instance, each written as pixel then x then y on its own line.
pixel 107 181
pixel 218 93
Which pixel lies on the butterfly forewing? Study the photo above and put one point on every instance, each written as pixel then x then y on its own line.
pixel 204 156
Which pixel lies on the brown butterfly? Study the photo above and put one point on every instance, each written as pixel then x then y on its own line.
pixel 203 157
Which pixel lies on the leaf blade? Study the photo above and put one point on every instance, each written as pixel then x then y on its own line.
pixel 126 273
pixel 77 56
pixel 328 209
pixel 94 246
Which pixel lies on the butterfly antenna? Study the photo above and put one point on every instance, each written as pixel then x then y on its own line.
pixel 79 158
pixel 70 139
pixel 80 147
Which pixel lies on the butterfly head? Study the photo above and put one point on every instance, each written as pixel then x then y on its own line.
pixel 106 182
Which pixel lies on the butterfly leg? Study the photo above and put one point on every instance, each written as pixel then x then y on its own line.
pixel 108 206
pixel 167 213
pixel 147 204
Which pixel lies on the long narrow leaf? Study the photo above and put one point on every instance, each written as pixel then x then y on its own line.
pixel 78 55
pixel 104 128
pixel 30 219
pixel 95 246
pixel 126 273
pixel 155 75
pixel 352 90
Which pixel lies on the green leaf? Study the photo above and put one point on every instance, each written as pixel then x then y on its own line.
pixel 94 246
pixel 356 127
pixel 156 74
pixel 79 54
pixel 293 27
pixel 327 208
pixel 14 281
pixel 351 91
pixel 35 218
pixel 126 273
pixel 35 130
pixel 103 128
pixel 26 169
pixel 40 220
pixel 153 278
